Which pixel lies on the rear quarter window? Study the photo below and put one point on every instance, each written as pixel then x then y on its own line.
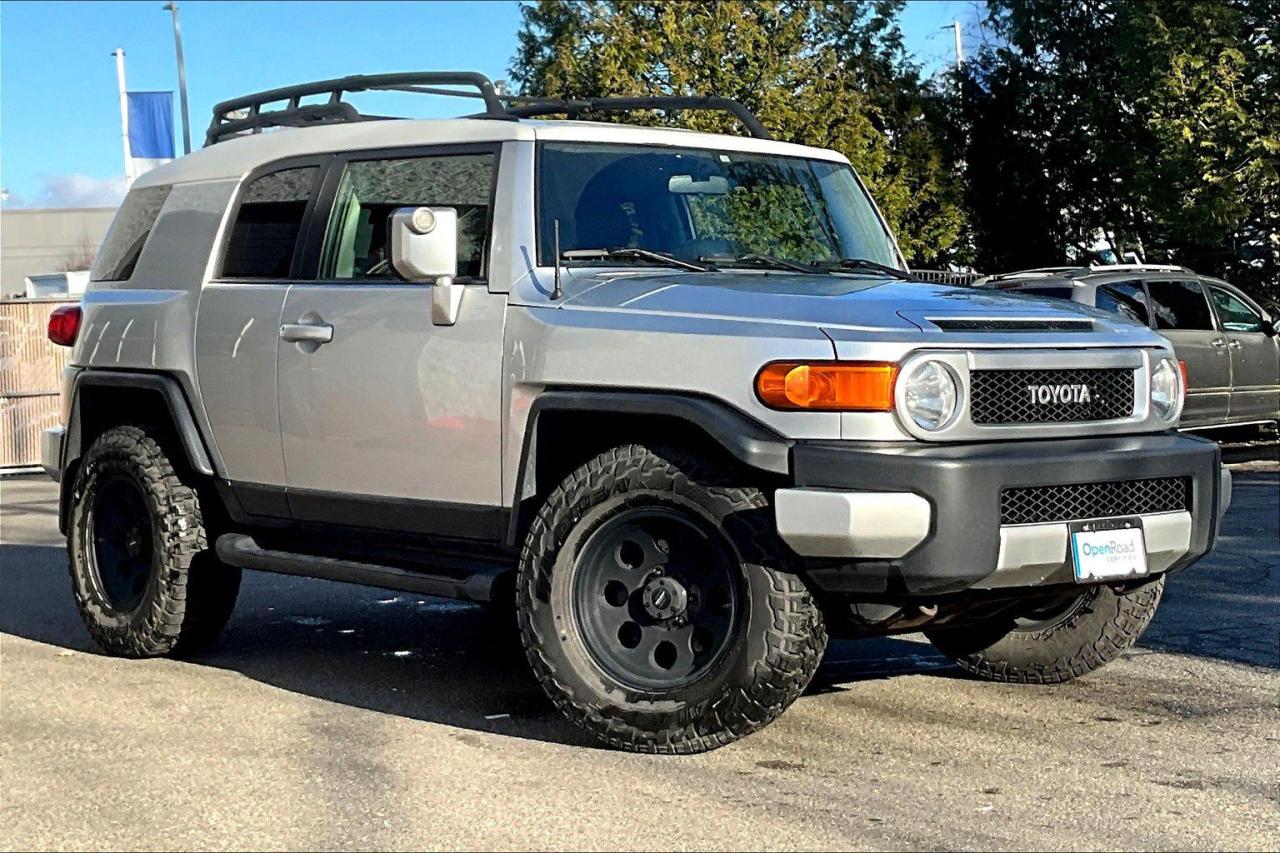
pixel 1126 298
pixel 128 234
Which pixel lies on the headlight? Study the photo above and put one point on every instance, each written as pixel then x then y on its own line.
pixel 1166 390
pixel 930 393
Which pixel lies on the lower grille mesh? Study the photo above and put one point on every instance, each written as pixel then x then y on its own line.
pixel 1044 504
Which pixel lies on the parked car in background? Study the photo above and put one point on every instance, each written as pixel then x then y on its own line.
pixel 1228 343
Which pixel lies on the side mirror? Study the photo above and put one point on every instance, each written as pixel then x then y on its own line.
pixel 424 247
pixel 424 242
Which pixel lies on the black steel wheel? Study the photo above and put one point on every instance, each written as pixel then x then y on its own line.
pixel 657 606
pixel 656 593
pixel 121 560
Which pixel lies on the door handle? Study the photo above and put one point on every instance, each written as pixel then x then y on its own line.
pixel 1218 342
pixel 316 333
pixel 1235 344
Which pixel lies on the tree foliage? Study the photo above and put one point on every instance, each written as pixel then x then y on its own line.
pixel 827 74
pixel 1154 123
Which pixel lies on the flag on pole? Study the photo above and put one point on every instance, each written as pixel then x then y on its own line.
pixel 150 130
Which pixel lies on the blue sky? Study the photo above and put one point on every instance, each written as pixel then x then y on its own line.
pixel 60 116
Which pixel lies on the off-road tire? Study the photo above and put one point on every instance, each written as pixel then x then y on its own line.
pixel 765 667
pixel 1096 631
pixel 189 595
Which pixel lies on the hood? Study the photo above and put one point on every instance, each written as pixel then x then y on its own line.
pixel 853 302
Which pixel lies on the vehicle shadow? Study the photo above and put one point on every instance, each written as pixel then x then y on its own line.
pixel 423 658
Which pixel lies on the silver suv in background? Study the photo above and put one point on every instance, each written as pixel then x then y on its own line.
pixel 1228 343
pixel 671 397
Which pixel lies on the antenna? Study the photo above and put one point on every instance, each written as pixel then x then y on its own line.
pixel 556 292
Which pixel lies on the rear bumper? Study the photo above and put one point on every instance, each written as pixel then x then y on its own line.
pixel 921 519
pixel 51 451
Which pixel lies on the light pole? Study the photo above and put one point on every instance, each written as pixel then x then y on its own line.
pixel 182 77
pixel 954 26
pixel 118 53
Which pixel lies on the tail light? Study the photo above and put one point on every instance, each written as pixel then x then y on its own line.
pixel 830 386
pixel 64 325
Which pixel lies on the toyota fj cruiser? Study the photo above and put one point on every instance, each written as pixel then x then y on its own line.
pixel 673 397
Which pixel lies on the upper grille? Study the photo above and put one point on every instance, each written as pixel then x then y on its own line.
pixel 1043 504
pixel 1010 396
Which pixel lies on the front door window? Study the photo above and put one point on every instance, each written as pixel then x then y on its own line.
pixel 359 242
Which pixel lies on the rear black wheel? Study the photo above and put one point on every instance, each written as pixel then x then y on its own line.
pixel 121 554
pixel 145 581
pixel 656 606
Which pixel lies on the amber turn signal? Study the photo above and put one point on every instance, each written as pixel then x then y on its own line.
pixel 849 386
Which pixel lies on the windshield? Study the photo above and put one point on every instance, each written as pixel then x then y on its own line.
pixel 694 203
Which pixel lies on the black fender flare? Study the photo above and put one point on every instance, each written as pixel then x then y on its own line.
pixel 175 400
pixel 741 436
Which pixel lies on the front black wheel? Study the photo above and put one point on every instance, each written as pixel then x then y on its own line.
pixel 145 581
pixel 656 606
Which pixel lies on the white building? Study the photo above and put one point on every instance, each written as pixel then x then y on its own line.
pixel 37 241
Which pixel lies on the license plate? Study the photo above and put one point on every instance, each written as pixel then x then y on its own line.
pixel 1104 550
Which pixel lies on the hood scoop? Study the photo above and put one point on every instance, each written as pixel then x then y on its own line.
pixel 1011 324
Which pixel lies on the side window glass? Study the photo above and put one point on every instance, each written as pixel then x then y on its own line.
pixel 129 231
pixel 1234 315
pixel 358 242
pixel 1180 305
pixel 265 233
pixel 1126 298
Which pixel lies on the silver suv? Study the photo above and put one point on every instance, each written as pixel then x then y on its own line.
pixel 672 397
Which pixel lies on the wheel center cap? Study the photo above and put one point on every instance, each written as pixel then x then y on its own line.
pixel 133 543
pixel 665 598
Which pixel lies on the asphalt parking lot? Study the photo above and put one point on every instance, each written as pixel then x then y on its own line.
pixel 333 716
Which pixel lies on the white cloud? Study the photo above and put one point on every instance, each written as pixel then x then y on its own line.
pixel 71 190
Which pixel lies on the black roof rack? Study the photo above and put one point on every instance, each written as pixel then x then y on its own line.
pixel 227 123
pixel 246 114
pixel 527 107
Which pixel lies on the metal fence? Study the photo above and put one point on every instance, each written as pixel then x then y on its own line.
pixel 30 376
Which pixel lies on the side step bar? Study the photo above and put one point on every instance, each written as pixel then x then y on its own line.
pixel 237 549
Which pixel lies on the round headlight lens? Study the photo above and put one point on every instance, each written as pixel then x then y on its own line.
pixel 929 395
pixel 1166 390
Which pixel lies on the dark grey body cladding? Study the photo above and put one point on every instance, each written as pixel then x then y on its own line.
pixel 257 504
pixel 751 443
pixel 175 401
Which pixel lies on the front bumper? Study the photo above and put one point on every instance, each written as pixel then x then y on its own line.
pixel 923 519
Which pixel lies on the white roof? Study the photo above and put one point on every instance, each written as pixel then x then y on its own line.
pixel 234 158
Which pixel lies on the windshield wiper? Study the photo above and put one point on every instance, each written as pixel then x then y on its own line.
pixel 758 260
pixel 642 254
pixel 868 265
